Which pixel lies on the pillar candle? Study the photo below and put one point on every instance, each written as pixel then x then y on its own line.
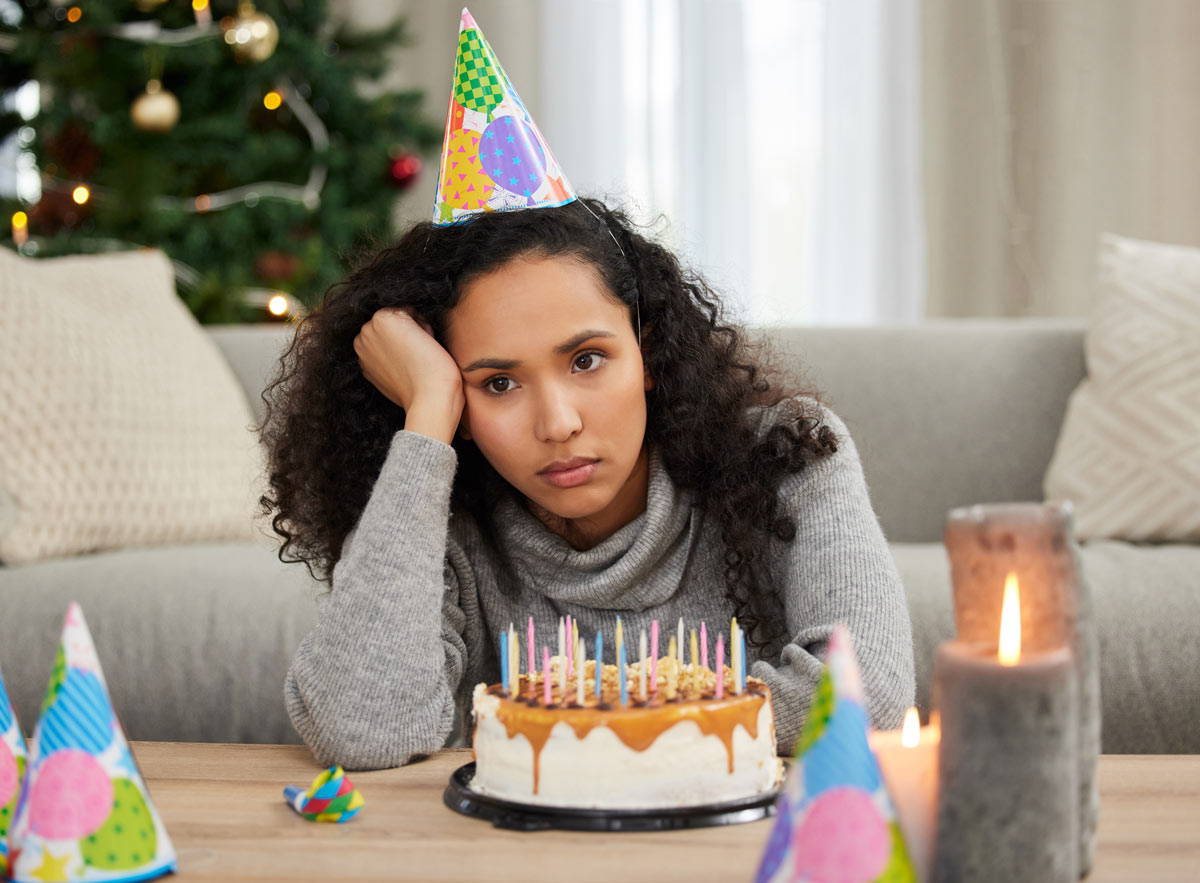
pixel 1008 799
pixel 1036 542
pixel 908 761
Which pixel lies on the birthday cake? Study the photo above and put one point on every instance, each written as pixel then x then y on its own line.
pixel 682 746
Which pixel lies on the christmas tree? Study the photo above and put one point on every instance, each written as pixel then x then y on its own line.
pixel 237 137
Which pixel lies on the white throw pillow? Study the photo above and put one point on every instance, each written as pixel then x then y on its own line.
pixel 121 424
pixel 1128 455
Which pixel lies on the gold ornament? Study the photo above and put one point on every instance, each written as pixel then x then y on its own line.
pixel 253 34
pixel 155 110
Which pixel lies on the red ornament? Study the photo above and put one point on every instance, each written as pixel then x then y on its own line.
pixel 403 170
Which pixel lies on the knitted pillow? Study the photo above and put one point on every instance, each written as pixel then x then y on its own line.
pixel 1128 455
pixel 120 422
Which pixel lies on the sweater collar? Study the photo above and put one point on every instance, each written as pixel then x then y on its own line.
pixel 642 565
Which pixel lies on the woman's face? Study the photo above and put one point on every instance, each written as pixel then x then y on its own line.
pixel 555 389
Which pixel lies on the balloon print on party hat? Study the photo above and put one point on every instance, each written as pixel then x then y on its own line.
pixel 834 820
pixel 13 757
pixel 494 158
pixel 84 813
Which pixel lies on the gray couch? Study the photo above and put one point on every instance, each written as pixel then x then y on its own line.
pixel 195 640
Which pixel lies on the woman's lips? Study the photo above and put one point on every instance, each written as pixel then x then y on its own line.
pixel 571 477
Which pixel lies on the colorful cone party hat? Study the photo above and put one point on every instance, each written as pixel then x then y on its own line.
pixel 834 819
pixel 12 770
pixel 493 156
pixel 84 813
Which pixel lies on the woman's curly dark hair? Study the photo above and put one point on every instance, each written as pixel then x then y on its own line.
pixel 328 429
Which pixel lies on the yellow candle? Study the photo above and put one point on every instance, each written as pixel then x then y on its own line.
pixel 695 649
pixel 578 669
pixel 642 654
pixel 671 648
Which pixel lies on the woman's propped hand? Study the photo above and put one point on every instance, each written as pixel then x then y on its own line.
pixel 400 357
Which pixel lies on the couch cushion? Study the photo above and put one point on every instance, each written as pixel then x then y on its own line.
pixel 120 422
pixel 1129 453
pixel 1147 607
pixel 195 640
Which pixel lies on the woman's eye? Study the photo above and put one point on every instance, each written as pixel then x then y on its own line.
pixel 588 361
pixel 498 385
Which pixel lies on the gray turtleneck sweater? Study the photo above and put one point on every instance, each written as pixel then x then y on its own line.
pixel 417 603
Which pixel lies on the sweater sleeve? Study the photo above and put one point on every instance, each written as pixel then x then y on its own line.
pixel 373 685
pixel 839 569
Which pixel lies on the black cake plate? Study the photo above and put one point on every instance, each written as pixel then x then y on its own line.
pixel 529 817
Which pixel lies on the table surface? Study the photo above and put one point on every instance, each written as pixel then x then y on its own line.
pixel 223 807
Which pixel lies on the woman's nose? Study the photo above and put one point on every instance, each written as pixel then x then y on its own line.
pixel 558 416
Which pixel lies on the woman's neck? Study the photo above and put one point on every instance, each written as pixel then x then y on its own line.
pixel 587 532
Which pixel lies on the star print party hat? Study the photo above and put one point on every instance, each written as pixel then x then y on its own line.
pixel 12 770
pixel 84 813
pixel 834 819
pixel 493 156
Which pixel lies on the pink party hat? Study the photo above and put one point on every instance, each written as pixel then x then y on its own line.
pixel 493 157
pixel 84 812
pixel 12 770
pixel 834 819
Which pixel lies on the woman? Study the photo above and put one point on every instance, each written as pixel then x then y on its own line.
pixel 539 414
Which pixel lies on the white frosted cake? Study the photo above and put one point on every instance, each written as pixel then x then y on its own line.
pixel 682 747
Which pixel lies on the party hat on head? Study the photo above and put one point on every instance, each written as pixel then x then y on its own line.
pixel 12 770
pixel 493 156
pixel 834 820
pixel 84 813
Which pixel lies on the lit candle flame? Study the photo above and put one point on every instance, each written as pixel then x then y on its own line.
pixel 1010 623
pixel 910 736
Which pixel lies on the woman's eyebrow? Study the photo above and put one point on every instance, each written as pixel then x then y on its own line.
pixel 562 349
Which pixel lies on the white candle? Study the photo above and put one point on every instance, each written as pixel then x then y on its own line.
pixel 908 759
pixel 679 640
pixel 642 668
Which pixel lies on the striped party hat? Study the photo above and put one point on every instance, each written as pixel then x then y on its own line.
pixel 493 156
pixel 12 770
pixel 84 813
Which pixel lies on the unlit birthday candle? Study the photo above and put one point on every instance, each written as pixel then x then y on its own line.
pixel 679 639
pixel 532 661
pixel 574 632
pixel 621 673
pixel 672 649
pixel 504 685
pixel 563 656
pixel 620 637
pixel 703 645
pixel 742 661
pixel 546 677
pixel 599 663
pixel 578 668
pixel 570 646
pixel 720 662
pixel 642 667
pixel 654 656
pixel 695 649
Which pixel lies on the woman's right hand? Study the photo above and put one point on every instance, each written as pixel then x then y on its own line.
pixel 400 357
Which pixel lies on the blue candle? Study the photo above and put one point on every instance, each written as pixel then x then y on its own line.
pixel 621 665
pixel 599 662
pixel 504 661
pixel 742 667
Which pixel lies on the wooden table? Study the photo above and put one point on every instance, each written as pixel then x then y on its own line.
pixel 223 807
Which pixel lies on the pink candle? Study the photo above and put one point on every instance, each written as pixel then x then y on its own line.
pixel 703 645
pixel 720 666
pixel 654 656
pixel 546 675
pixel 571 651
pixel 532 663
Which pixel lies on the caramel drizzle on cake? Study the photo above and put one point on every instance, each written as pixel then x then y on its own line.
pixel 692 696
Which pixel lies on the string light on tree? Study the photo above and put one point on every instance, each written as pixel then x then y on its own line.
pixel 253 34
pixel 81 195
pixel 155 110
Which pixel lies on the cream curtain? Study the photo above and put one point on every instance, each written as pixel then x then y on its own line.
pixel 1048 122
